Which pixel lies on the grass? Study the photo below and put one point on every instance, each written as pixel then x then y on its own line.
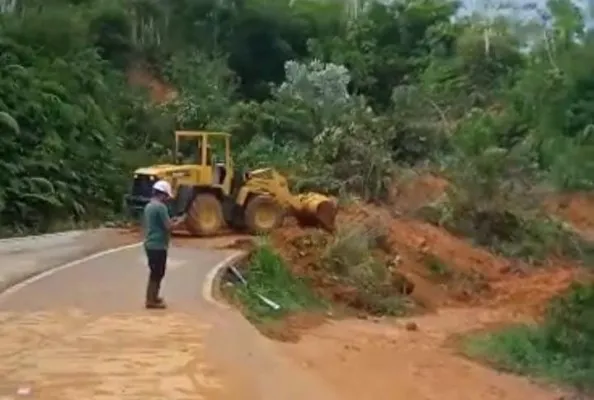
pixel 437 267
pixel 349 258
pixel 560 349
pixel 268 275
pixel 523 349
pixel 349 253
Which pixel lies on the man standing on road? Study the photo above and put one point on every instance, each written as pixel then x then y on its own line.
pixel 157 231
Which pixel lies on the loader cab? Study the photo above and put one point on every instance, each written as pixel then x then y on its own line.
pixel 209 153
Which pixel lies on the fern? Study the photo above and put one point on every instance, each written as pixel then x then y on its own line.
pixel 6 120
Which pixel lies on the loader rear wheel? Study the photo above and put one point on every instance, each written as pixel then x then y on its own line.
pixel 263 215
pixel 205 217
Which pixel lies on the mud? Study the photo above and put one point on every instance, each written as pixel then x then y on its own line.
pixel 291 328
pixel 72 355
pixel 386 361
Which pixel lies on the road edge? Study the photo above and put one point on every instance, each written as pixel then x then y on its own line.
pixel 18 282
pixel 213 278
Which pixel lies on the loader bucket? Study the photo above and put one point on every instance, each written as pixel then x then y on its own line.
pixel 316 209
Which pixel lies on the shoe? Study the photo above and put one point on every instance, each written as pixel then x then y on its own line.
pixel 152 300
pixel 155 306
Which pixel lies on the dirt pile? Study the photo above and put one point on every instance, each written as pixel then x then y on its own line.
pixel 431 265
pixel 366 282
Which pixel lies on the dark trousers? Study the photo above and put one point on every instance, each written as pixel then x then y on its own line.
pixel 157 262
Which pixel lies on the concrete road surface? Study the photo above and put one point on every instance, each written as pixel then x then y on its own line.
pixel 81 332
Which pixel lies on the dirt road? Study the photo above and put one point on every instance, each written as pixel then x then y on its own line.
pixel 82 333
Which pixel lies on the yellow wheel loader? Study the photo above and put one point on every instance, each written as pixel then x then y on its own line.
pixel 213 195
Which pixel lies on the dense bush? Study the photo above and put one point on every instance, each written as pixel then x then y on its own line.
pixel 337 97
pixel 64 158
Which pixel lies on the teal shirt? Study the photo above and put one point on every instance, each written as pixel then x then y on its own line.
pixel 156 234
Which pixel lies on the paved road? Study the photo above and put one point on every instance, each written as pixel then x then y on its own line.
pixel 82 333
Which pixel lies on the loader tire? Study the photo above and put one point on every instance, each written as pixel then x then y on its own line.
pixel 263 215
pixel 205 216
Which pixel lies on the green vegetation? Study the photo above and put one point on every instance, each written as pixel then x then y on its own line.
pixel 340 96
pixel 349 258
pixel 560 348
pixel 437 267
pixel 268 276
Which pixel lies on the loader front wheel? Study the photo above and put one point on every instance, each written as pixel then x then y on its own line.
pixel 263 215
pixel 205 217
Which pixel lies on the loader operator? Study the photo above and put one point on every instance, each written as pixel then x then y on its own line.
pixel 157 230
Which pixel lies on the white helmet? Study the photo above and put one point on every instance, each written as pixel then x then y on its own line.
pixel 163 187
